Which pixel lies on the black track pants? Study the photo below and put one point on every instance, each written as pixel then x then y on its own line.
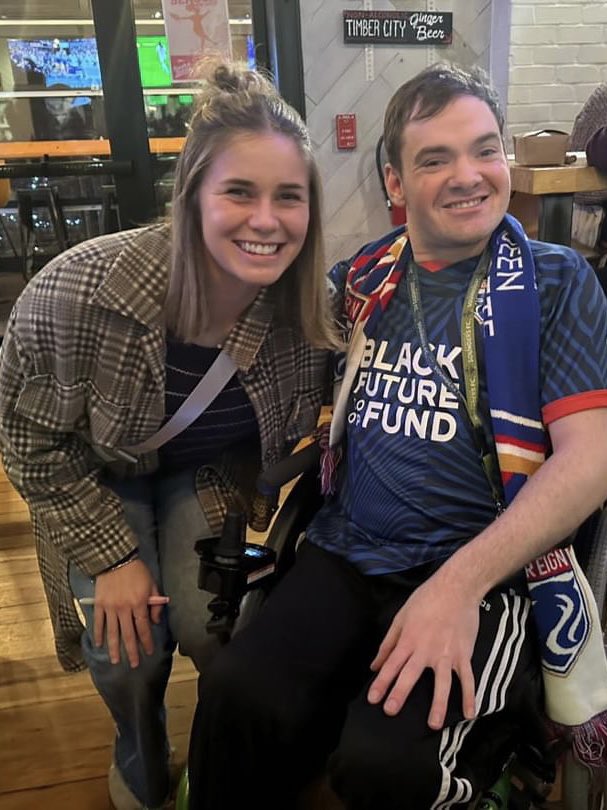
pixel 288 695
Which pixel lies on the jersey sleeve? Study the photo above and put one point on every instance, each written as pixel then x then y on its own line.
pixel 573 359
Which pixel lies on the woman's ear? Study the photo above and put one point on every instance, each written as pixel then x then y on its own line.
pixel 394 185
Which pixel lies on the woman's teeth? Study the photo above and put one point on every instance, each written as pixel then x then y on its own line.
pixel 258 248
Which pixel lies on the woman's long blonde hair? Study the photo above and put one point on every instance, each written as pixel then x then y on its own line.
pixel 236 100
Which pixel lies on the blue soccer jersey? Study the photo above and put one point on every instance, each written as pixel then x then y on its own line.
pixel 414 488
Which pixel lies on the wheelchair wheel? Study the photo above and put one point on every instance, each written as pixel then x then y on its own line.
pixel 182 800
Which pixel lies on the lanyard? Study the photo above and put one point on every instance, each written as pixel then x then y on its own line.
pixel 471 399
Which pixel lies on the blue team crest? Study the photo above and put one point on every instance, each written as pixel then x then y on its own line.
pixel 560 610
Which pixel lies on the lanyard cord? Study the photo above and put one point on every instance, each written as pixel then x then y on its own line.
pixel 470 365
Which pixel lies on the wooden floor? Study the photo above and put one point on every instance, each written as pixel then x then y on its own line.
pixel 55 733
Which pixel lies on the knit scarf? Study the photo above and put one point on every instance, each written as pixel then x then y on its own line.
pixel 574 666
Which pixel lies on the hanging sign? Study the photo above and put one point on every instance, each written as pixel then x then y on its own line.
pixel 398 28
pixel 195 28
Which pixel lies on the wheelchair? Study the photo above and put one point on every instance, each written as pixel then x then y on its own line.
pixel 242 575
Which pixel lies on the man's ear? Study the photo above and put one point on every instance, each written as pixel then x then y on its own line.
pixel 394 185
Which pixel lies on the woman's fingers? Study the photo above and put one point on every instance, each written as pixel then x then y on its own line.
pixel 112 635
pixel 144 631
pixel 98 625
pixel 128 623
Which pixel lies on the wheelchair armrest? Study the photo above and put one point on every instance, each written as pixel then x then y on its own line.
pixel 297 511
pixel 278 474
pixel 232 569
pixel 269 482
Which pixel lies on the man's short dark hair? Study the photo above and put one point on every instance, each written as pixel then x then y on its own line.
pixel 427 94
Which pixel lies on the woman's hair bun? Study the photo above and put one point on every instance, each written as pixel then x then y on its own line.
pixel 226 78
pixel 222 76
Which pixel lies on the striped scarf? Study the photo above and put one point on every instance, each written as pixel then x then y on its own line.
pixel 574 666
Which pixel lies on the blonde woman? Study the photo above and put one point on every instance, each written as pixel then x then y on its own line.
pixel 102 348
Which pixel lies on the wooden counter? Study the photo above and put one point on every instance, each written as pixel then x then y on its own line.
pixel 549 190
pixel 568 179
pixel 72 149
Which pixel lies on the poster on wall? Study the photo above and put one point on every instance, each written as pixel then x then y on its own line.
pixel 195 28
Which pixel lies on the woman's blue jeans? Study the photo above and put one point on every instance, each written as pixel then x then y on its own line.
pixel 165 514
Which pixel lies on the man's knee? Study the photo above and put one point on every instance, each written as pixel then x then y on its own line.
pixel 367 772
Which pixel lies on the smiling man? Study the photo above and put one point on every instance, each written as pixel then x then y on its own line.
pixel 453 176
pixel 401 646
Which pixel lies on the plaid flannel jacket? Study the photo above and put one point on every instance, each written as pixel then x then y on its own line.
pixel 82 374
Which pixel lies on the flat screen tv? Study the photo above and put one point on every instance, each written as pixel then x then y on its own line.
pixel 74 63
pixel 154 61
pixel 69 63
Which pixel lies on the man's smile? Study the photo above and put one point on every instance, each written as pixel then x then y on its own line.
pixel 466 203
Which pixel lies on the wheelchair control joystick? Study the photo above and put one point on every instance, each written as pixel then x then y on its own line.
pixel 232 541
pixel 229 568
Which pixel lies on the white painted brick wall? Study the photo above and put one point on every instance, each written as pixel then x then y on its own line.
pixel 594 12
pixel 545 15
pixel 558 55
pixel 523 15
pixel 533 35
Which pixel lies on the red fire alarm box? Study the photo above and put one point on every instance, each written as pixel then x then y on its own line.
pixel 345 128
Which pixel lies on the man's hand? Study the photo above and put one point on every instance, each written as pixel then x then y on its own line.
pixel 121 605
pixel 436 628
pixel 438 625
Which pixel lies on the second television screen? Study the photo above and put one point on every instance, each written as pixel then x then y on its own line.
pixel 74 63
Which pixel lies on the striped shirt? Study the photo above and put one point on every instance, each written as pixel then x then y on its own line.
pixel 228 420
pixel 414 488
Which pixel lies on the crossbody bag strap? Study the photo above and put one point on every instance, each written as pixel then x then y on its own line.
pixel 214 381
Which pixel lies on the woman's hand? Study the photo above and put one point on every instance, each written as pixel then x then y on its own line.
pixel 121 605
pixel 436 628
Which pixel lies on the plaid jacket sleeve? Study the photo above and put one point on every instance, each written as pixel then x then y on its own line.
pixel 51 466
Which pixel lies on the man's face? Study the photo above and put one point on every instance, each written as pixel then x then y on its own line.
pixel 454 180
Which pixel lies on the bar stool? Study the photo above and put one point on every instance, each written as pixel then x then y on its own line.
pixel 27 201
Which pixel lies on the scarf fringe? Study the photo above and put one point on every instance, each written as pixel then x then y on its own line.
pixel 329 461
pixel 588 741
